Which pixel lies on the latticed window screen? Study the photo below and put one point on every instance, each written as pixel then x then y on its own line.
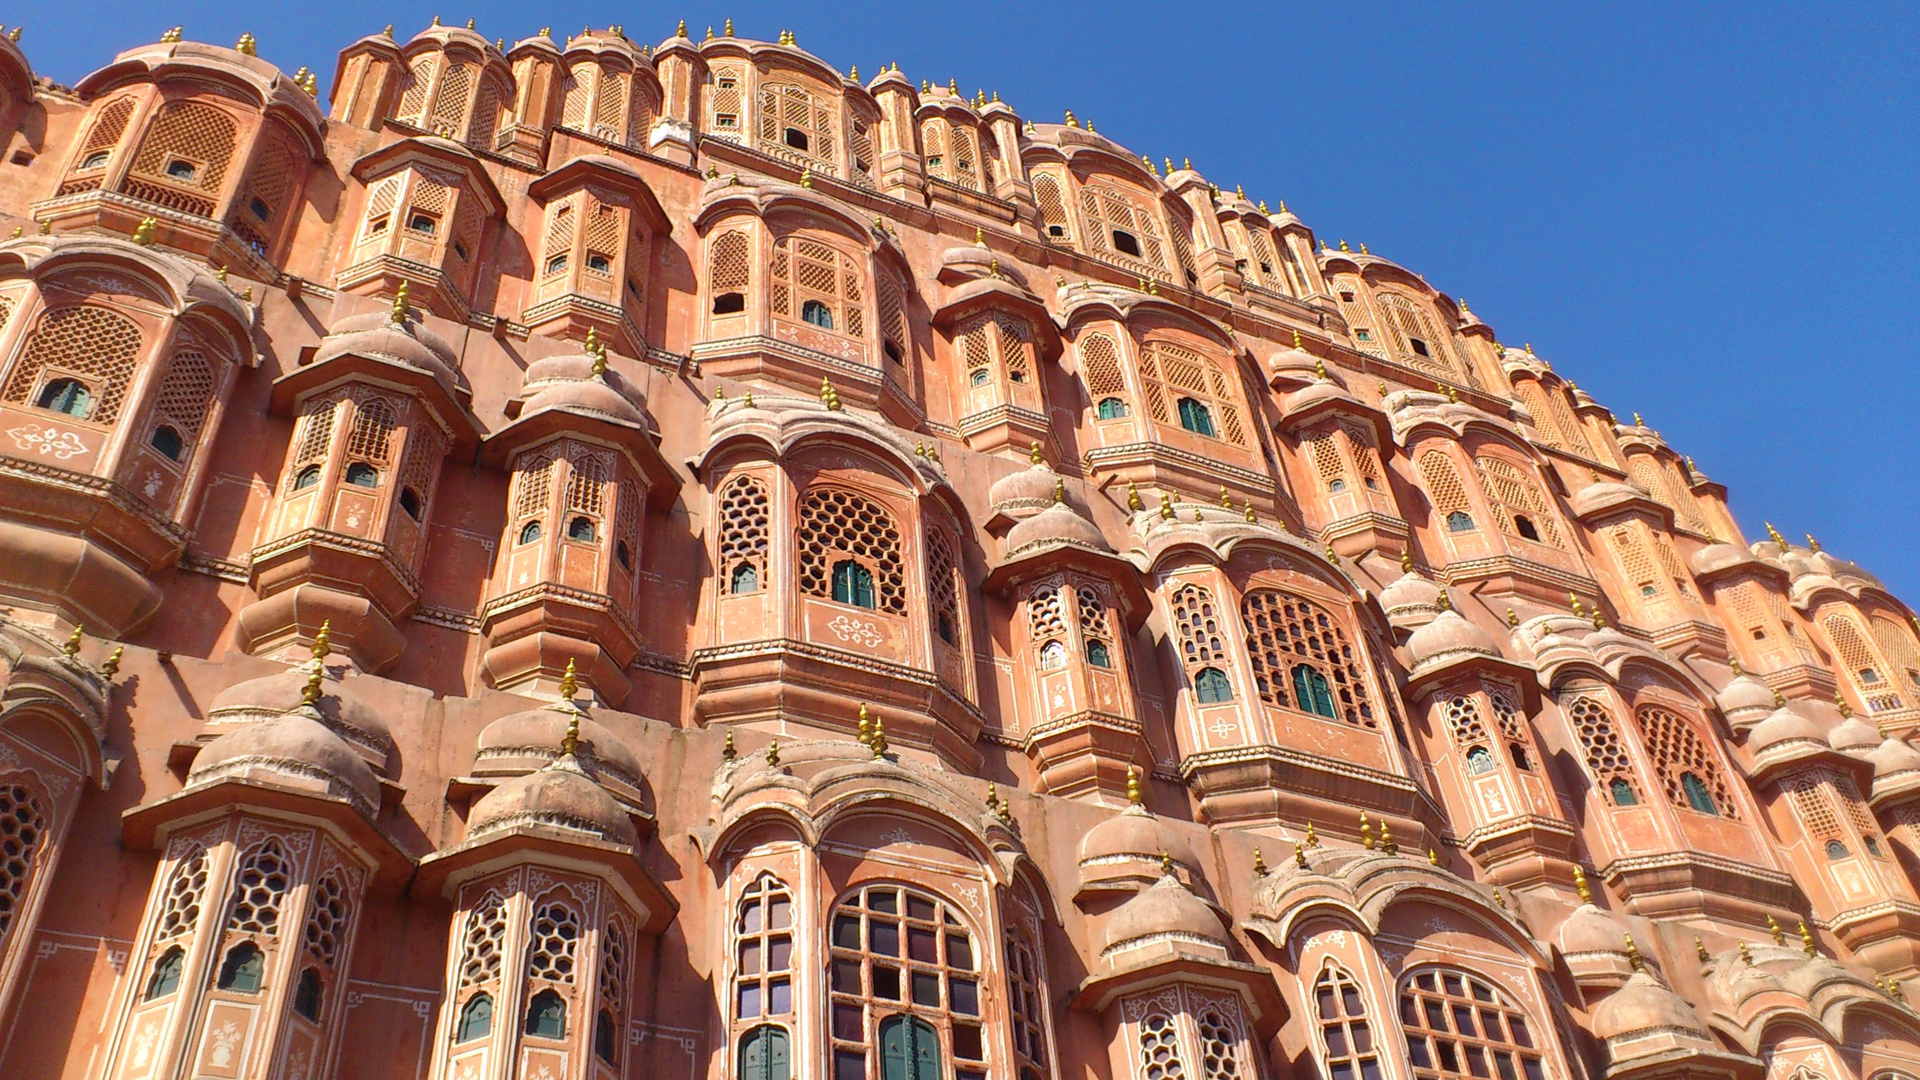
pixel 1865 668
pixel 1812 802
pixel 808 272
pixel 995 343
pixel 559 239
pixel 1324 452
pixel 1464 721
pixel 898 951
pixel 1159 1043
pixel 425 449
pixel 786 110
pixel 1459 1025
pixel 1181 228
pixel 1507 714
pixel 1515 496
pixel 1046 615
pixel 836 525
pixel 1534 399
pixel 577 95
pixel 1219 1045
pixel 1416 342
pixel 1346 1038
pixel 743 521
pixel 413 97
pixel 1666 489
pixel 482 946
pixel 186 893
pixel 1100 368
pixel 553 942
pixel 1364 455
pixel 186 394
pixel 1109 219
pixel 1636 565
pixel 533 484
pixel 1351 292
pixel 259 888
pixel 1677 751
pixel 92 344
pixel 370 439
pixel 587 476
pixel 723 120
pixel 1094 624
pixel 1670 563
pixel 860 150
pixel 1847 794
pixel 892 303
pixel 610 106
pixel 486 114
pixel 613 991
pixel 450 104
pixel 763 951
pixel 1053 206
pixel 1742 601
pixel 727 263
pixel 107 128
pixel 327 920
pixel 23 830
pixel 1897 647
pixel 1442 479
pixel 183 157
pixel 943 586
pixel 1605 753
pixel 257 213
pixel 1170 372
pixel 1284 632
pixel 1198 624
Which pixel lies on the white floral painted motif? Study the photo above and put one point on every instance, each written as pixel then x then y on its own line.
pixel 47 441
pixel 855 631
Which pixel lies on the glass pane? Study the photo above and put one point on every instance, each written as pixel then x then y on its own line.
pixel 1449 1060
pixel 1463 1020
pixel 926 989
pixel 1340 1070
pixel 883 938
pixel 963 996
pixel 1409 1012
pixel 1369 1069
pixel 1362 1037
pixel 1482 992
pixel 1350 998
pixel 779 954
pixel 846 931
pixel 1490 1023
pixel 919 907
pixel 923 945
pixel 1327 1008
pixel 1533 1068
pixel 750 918
pixel 1417 1050
pixel 779 997
pixel 1504 1064
pixel 847 1022
pixel 1336 1040
pixel 960 952
pixel 1425 980
pixel 749 1000
pixel 886 901
pixel 849 1065
pixel 749 958
pixel 1452 983
pixel 1521 1036
pixel 1436 1015
pixel 886 982
pixel 779 912
pixel 966 1042
pixel 1477 1061
pixel 846 976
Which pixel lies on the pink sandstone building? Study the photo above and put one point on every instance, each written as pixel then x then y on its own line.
pixel 578 559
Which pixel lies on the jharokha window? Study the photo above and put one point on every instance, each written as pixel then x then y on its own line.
pixel 1688 768
pixel 1203 653
pixel 850 551
pixel 1184 389
pixel 1606 755
pixel 23 828
pixel 904 988
pixel 77 360
pixel 763 979
pixel 1517 502
pixel 1345 1036
pixel 1459 1025
pixel 818 285
pixel 1302 658
pixel 743 536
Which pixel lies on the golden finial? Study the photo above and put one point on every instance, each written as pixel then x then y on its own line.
pixel 1406 562
pixel 570 743
pixel 1319 368
pixel 1226 501
pixel 1445 601
pixel 143 232
pixel 1133 498
pixel 300 76
pixel 1072 122
pixel 1059 490
pixel 853 73
pixel 322 641
pixel 1806 940
pixel 1499 898
pixel 1745 954
pixel 1259 864
pixel 436 20
pixel 405 290
pixel 1363 248
pixel 709 36
pixel 681 30
pixel 388 32
pixel 1006 811
pixel 1734 663
pixel 806 177
pixel 1252 518
pixel 1578 608
pixel 1366 831
pixel 1775 534
pixel 1580 884
pixel 727 752
pixel 1313 838
pixel 599 369
pixel 569 682
pixel 1633 954
pixel 866 726
pixel 1387 843
pixel 1840 702
pixel 993 796
pixel 828 395
pixel 1299 855
pixel 1812 544
pixel 1263 206
pixel 773 754
pixel 878 744
pixel 1090 130
pixel 1599 619
pixel 1779 701
pixel 1332 555
pixel 111 667
pixel 728 29
pixel 13 35
pixel 1166 864
pixel 1513 619
pixel 171 36
pixel 1344 247
pixel 72 647
pixel 312 84
pixel 1034 455
pixel 1433 857
pixel 1637 422
pixel 1779 935
pixel 311 694
pixel 245 46
pixel 1134 796
pixel 953 86
pixel 1166 505
pixel 1700 949
pixel 1197 516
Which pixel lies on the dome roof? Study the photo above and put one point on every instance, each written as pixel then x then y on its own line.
pixel 560 797
pixel 1411 591
pixel 1590 930
pixel 1166 910
pixel 1132 834
pixel 1031 487
pixel 375 334
pixel 1448 635
pixel 1893 759
pixel 255 700
pixel 1642 1004
pixel 1602 494
pixel 1715 557
pixel 1746 699
pixel 1295 364
pixel 297 747
pixel 1314 393
pixel 1782 727
pixel 1854 736
pixel 568 382
pixel 527 741
pixel 1058 523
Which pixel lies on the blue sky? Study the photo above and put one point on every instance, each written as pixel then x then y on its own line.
pixel 1703 213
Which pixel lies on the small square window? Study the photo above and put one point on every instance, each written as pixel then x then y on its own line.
pixel 423 223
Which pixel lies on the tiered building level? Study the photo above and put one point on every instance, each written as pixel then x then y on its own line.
pixel 581 559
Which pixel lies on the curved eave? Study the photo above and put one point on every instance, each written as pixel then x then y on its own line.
pixel 146 827
pixel 781 435
pixel 1125 305
pixel 1047 556
pixel 771 54
pixel 1253 984
pixel 443 152
pixel 442 873
pixel 582 170
pixel 722 199
pixel 987 293
pixel 259 83
pixel 640 444
pixel 1344 404
pixel 450 404
pixel 184 287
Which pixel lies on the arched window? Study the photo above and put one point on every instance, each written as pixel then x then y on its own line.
pixel 22 829
pixel 1416 342
pixel 763 951
pixel 745 579
pixel 1605 753
pixel 849 548
pixel 361 474
pixel 1297 642
pixel 1684 761
pixel 613 994
pixel 764 1054
pixel 1479 760
pixel 728 268
pixel 69 396
pixel 1459 521
pixel 1027 1001
pixel 1116 222
pixel 1345 1036
pixel 797 125
pixel 1053 656
pixel 1196 417
pixel 91 352
pixel 410 502
pixel 476 1019
pixel 904 989
pixel 742 512
pixel 1461 1026
pixel 1100 371
pixel 529 532
pixel 245 965
pixel 1518 505
pixel 1097 654
pixel 1160 1048
pixel 166 974
pixel 307 995
pixel 819 285
pixel 1053 207
pixel 1110 408
pixel 1445 491
pixel 943 587
pixel 1185 388
pixel 547 1015
pixel 1622 792
pixel 1836 850
pixel 1211 686
pixel 581 530
pixel 187 148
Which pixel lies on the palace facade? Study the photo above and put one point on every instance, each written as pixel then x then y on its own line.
pixel 577 559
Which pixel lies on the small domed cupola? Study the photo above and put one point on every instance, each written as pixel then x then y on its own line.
pixel 1167 916
pixel 339 709
pixel 1745 700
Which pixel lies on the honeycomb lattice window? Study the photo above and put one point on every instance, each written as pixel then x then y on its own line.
pixel 186 394
pixel 1324 452
pixel 587 474
pixel 1100 368
pixel 1678 751
pixel 183 157
pixel 1170 372
pixel 763 951
pixel 327 920
pixel 1046 615
pixel 259 888
pixel 795 124
pixel 552 945
pixel 1460 1026
pixel 1160 1048
pixel 727 263
pixel 1027 1006
pixel 835 525
pixel 1605 753
pixel 1897 647
pixel 1464 721
pixel 743 510
pixel 186 892
pixel 896 950
pixel 486 115
pixel 613 980
pixel 1094 625
pixel 1053 207
pixel 92 344
pixel 270 182
pixel 1219 1046
pixel 1869 675
pixel 1444 489
pixel 1345 1036
pixel 481 953
pixel 1518 503
pixel 23 828
pixel 1507 714
pixel 1286 632
pixel 1630 551
pixel 577 95
pixel 819 285
pixel 943 587
pixel 450 102
pixel 1198 625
